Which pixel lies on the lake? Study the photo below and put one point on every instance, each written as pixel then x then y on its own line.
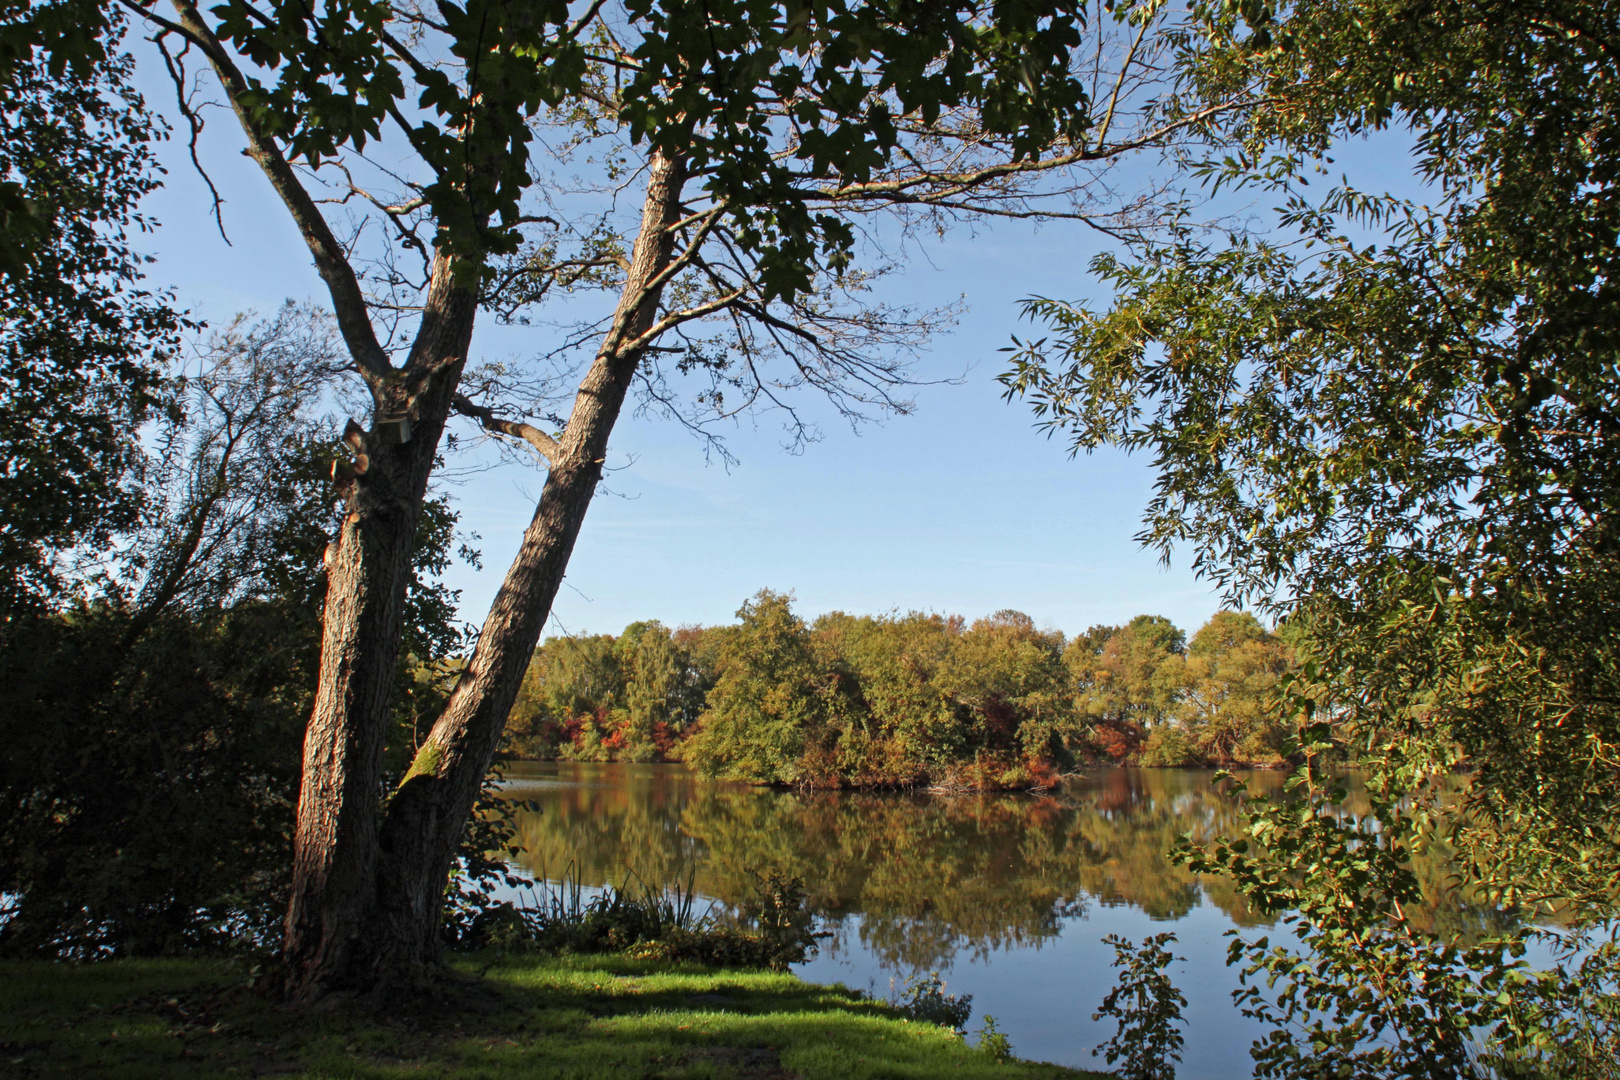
pixel 1008 897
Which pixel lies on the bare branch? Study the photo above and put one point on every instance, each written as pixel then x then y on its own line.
pixel 929 187
pixel 543 444
pixel 1119 83
pixel 331 260
pixel 585 18
pixel 176 65
pixel 676 318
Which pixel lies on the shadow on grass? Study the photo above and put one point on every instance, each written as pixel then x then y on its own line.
pixel 583 1017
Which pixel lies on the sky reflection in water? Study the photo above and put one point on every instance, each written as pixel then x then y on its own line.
pixel 1008 897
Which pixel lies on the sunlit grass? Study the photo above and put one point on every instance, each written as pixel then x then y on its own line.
pixel 585 1017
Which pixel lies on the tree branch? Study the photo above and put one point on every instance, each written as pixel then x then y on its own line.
pixel 944 185
pixel 331 261
pixel 709 219
pixel 676 318
pixel 176 66
pixel 543 444
pixel 1119 83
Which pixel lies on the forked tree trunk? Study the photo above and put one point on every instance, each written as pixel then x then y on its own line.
pixel 427 815
pixel 367 892
pixel 334 887
pixel 367 907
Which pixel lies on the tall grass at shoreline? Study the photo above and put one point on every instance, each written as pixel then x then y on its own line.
pixel 772 928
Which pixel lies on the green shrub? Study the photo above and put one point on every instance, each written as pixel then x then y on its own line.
pixel 993 1042
pixel 1168 747
pixel 774 928
pixel 924 999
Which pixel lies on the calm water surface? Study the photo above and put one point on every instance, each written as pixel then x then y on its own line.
pixel 1008 897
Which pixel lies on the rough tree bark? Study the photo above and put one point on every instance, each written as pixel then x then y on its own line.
pixel 368 564
pixel 335 845
pixel 427 814
pixel 368 881
pixel 367 901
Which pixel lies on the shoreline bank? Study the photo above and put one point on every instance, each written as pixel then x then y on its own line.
pixel 575 1016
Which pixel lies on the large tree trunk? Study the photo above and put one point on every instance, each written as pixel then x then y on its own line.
pixel 368 567
pixel 427 815
pixel 336 887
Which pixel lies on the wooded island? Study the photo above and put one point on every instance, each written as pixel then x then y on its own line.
pixel 906 700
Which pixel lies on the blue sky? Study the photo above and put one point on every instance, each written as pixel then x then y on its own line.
pixel 962 507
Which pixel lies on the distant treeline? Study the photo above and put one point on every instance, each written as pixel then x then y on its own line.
pixel 899 700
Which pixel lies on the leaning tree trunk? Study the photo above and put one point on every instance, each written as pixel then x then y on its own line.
pixel 427 815
pixel 334 890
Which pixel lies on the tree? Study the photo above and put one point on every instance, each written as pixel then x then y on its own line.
pixel 885 701
pixel 82 346
pixel 907 727
pixel 1010 678
pixel 1229 706
pixel 770 698
pixel 1139 673
pixel 1396 420
pixel 603 698
pixel 570 680
pixel 659 700
pixel 766 136
pixel 150 729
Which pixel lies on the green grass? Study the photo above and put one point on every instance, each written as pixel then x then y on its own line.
pixel 586 1017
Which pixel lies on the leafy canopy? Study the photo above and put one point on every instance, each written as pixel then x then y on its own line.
pixel 82 344
pixel 715 84
pixel 1397 419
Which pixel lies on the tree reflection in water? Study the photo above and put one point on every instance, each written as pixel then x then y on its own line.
pixel 910 882
pixel 929 876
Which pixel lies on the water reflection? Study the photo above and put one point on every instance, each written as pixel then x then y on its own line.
pixel 929 876
pixel 1008 896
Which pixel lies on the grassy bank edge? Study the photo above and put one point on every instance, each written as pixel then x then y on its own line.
pixel 566 1017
